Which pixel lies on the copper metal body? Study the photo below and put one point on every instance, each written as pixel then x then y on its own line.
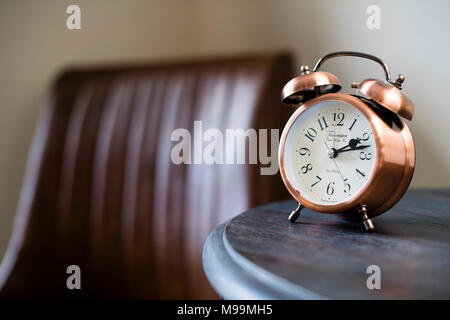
pixel 395 154
pixel 392 173
pixel 389 96
pixel 307 85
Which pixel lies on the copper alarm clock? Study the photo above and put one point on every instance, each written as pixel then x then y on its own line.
pixel 350 155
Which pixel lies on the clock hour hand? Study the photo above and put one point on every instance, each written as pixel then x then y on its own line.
pixel 352 145
pixel 356 148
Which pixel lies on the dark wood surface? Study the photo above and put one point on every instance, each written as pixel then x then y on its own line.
pixel 260 255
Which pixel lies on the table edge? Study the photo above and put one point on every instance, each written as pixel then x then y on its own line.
pixel 244 280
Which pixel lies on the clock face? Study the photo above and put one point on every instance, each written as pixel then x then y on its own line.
pixel 329 153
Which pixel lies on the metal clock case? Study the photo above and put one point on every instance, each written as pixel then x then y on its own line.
pixel 315 127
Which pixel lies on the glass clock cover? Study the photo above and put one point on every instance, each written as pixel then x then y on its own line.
pixel 329 153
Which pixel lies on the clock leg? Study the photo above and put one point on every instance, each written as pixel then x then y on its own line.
pixel 368 224
pixel 295 213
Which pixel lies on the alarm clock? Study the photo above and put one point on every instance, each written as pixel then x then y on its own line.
pixel 344 154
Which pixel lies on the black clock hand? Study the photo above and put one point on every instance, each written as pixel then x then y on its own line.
pixel 351 144
pixel 356 148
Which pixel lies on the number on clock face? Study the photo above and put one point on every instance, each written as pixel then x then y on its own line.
pixel 330 152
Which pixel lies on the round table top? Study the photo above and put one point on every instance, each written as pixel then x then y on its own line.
pixel 261 255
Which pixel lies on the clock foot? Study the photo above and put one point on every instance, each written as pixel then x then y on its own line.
pixel 296 213
pixel 368 224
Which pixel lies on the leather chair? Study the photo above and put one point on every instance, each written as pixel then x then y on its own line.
pixel 101 191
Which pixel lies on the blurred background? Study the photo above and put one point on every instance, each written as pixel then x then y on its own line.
pixel 35 46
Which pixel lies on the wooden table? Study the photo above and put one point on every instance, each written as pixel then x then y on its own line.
pixel 260 255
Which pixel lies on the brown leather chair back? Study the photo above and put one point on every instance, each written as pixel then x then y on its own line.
pixel 101 191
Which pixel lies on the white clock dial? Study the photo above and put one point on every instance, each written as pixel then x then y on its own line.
pixel 329 153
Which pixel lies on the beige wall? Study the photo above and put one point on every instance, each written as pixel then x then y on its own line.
pixel 35 44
